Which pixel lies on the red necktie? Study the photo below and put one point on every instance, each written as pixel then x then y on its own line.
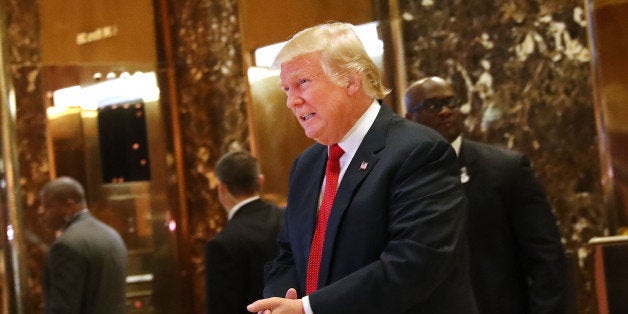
pixel 316 249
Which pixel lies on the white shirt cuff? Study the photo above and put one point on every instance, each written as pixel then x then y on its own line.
pixel 306 305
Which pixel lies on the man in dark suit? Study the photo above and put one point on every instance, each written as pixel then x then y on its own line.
pixel 86 266
pixel 517 260
pixel 392 238
pixel 235 257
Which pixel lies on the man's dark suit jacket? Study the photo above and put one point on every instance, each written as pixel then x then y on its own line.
pixel 517 260
pixel 86 269
pixel 235 257
pixel 396 240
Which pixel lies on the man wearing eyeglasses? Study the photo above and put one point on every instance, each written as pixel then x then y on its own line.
pixel 517 259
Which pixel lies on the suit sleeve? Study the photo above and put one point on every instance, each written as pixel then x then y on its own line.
pixel 223 280
pixel 426 222
pixel 539 240
pixel 67 275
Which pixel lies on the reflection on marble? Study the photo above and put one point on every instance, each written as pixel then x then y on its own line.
pixel 212 112
pixel 522 68
pixel 609 30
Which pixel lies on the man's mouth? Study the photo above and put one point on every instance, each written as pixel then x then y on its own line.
pixel 306 117
pixel 447 122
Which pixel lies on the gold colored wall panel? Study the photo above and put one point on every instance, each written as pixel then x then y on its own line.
pixel 265 22
pixel 80 31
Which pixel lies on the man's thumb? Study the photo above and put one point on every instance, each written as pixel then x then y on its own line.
pixel 291 293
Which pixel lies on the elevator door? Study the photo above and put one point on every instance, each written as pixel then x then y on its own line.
pixel 109 136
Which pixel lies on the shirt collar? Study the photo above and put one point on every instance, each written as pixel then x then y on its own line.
pixel 239 205
pixel 75 216
pixel 456 144
pixel 352 140
pixel 80 212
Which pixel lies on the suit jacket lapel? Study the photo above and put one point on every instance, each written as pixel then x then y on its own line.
pixel 360 167
pixel 309 203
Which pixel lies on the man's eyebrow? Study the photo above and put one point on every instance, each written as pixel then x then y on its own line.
pixel 294 76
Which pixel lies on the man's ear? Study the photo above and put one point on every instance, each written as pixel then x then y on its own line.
pixel 354 85
pixel 71 205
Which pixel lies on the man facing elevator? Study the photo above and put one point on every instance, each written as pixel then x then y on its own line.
pixel 87 263
pixel 235 257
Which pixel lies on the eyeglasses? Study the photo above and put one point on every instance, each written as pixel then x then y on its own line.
pixel 435 105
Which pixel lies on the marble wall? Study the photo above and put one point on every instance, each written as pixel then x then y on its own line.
pixel 210 91
pixel 523 69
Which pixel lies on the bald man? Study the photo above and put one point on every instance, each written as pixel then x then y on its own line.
pixel 86 266
pixel 517 259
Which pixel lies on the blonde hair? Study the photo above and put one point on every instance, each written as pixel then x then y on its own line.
pixel 342 55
